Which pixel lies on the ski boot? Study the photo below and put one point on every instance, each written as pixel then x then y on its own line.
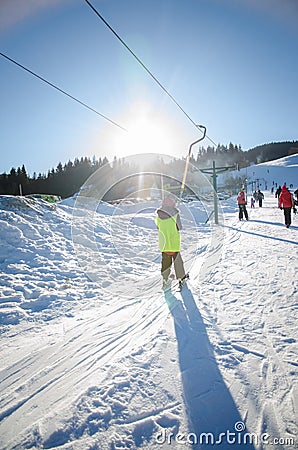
pixel 183 280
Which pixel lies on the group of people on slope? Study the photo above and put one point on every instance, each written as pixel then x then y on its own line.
pixel 286 202
pixel 257 196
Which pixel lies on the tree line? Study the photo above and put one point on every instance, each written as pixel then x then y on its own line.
pixel 64 181
pixel 233 154
pixel 67 179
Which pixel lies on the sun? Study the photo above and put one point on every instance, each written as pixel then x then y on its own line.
pixel 147 135
pixel 148 131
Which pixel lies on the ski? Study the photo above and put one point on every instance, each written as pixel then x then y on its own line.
pixel 175 286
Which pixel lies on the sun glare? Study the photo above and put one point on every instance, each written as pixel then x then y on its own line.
pixel 148 132
pixel 146 135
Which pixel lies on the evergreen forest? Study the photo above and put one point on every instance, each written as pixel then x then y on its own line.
pixel 66 179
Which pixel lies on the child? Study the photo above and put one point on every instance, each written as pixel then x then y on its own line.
pixel 169 225
pixel 252 202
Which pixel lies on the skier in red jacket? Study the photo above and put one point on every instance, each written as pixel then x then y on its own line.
pixel 286 202
pixel 241 200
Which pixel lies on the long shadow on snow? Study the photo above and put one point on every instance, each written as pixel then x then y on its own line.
pixel 263 235
pixel 210 407
pixel 278 224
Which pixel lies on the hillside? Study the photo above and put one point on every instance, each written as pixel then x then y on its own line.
pixel 269 174
pixel 116 363
pixel 272 151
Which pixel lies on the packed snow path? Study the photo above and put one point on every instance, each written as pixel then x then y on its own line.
pixel 81 369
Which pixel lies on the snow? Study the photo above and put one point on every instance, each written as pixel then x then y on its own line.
pixel 110 361
pixel 279 171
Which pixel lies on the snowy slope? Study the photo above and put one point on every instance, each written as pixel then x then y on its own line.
pixel 85 367
pixel 279 171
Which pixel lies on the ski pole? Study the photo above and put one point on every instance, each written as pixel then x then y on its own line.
pixel 209 217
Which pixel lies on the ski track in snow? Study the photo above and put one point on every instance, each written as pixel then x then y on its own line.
pixel 83 369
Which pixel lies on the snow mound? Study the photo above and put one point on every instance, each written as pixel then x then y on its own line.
pixel 24 204
pixel 11 313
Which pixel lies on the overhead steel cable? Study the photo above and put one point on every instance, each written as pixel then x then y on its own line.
pixel 62 91
pixel 145 67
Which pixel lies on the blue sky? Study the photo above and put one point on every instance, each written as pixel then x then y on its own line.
pixel 231 64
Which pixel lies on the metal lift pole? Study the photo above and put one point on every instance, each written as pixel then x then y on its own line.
pixel 215 200
pixel 213 171
pixel 188 158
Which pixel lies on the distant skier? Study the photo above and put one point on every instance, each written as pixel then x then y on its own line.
pixel 296 197
pixel 169 225
pixel 252 202
pixel 295 201
pixel 241 200
pixel 286 202
pixel 277 194
pixel 260 198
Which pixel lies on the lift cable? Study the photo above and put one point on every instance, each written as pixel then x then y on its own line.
pixel 145 68
pixel 62 91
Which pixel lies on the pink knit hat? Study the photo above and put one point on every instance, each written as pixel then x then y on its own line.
pixel 169 200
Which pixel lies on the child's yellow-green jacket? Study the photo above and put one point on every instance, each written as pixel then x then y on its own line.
pixel 168 233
